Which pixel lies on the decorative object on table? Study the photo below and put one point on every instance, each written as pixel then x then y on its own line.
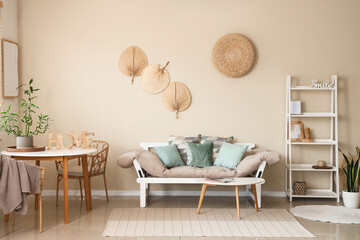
pixel 97 166
pixel 307 136
pixel 33 149
pixel 84 141
pixel 132 62
pixel 295 107
pixel 299 188
pixel 10 69
pixel 351 196
pixel 325 84
pixel 10 121
pixel 155 78
pixel 329 214
pixel 321 164
pixel 297 131
pixel 176 98
pixel 233 55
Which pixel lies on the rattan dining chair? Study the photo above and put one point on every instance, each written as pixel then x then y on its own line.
pixel 38 195
pixel 97 165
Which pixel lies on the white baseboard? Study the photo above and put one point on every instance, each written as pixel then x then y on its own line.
pixel 164 193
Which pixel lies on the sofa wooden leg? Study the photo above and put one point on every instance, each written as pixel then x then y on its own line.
pixel 258 194
pixel 143 195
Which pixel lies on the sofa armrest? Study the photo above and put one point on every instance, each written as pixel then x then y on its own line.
pixel 151 163
pixel 253 160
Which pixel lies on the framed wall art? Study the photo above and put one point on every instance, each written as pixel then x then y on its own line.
pixel 297 131
pixel 10 68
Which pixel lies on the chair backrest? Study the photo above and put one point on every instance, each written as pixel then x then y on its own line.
pixel 97 161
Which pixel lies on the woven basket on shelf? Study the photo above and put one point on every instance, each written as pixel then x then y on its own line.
pixel 299 188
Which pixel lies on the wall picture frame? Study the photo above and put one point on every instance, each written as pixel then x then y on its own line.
pixel 10 66
pixel 297 131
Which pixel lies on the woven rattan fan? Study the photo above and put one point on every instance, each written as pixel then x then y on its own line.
pixel 233 55
pixel 176 98
pixel 132 62
pixel 155 78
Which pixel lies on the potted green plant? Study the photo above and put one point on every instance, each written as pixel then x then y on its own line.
pixel 10 121
pixel 351 196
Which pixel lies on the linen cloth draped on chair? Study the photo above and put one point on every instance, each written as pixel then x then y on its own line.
pixel 17 180
pixel 97 166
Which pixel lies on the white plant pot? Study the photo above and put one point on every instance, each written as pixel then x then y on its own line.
pixel 351 199
pixel 24 142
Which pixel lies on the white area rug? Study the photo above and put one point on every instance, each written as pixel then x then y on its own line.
pixel 326 213
pixel 210 222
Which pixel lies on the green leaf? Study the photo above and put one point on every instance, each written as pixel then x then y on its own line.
pixel 31 89
pixel 34 105
pixel 20 86
pixel 31 81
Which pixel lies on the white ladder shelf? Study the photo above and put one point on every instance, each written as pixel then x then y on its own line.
pixel 332 191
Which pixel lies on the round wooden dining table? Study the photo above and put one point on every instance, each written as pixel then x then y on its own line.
pixel 62 156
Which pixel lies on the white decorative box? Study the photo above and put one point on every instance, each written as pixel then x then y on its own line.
pixel 295 107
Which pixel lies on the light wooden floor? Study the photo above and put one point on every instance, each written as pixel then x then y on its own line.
pixel 90 225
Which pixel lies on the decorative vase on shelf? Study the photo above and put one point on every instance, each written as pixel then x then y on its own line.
pixel 23 142
pixel 351 199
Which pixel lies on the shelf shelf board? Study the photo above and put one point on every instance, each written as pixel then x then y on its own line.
pixel 316 142
pixel 295 88
pixel 315 193
pixel 296 167
pixel 312 114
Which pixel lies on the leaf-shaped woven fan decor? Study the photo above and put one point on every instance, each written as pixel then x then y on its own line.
pixel 155 78
pixel 132 62
pixel 176 98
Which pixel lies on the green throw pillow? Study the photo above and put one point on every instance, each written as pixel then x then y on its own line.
pixel 199 155
pixel 230 155
pixel 170 156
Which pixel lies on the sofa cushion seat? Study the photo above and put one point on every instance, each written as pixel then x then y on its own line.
pixel 195 172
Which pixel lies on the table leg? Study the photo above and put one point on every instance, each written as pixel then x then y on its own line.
pixel 37 197
pixel 255 197
pixel 65 182
pixel 237 201
pixel 203 189
pixel 6 217
pixel 86 182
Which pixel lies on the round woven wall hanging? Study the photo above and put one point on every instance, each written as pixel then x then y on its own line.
pixel 176 97
pixel 155 78
pixel 132 62
pixel 233 55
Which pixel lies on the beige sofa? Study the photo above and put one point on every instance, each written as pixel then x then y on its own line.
pixel 151 170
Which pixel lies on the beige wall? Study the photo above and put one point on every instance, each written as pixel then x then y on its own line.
pixel 9 19
pixel 72 48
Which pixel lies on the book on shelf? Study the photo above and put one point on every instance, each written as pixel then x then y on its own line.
pixel 219 180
